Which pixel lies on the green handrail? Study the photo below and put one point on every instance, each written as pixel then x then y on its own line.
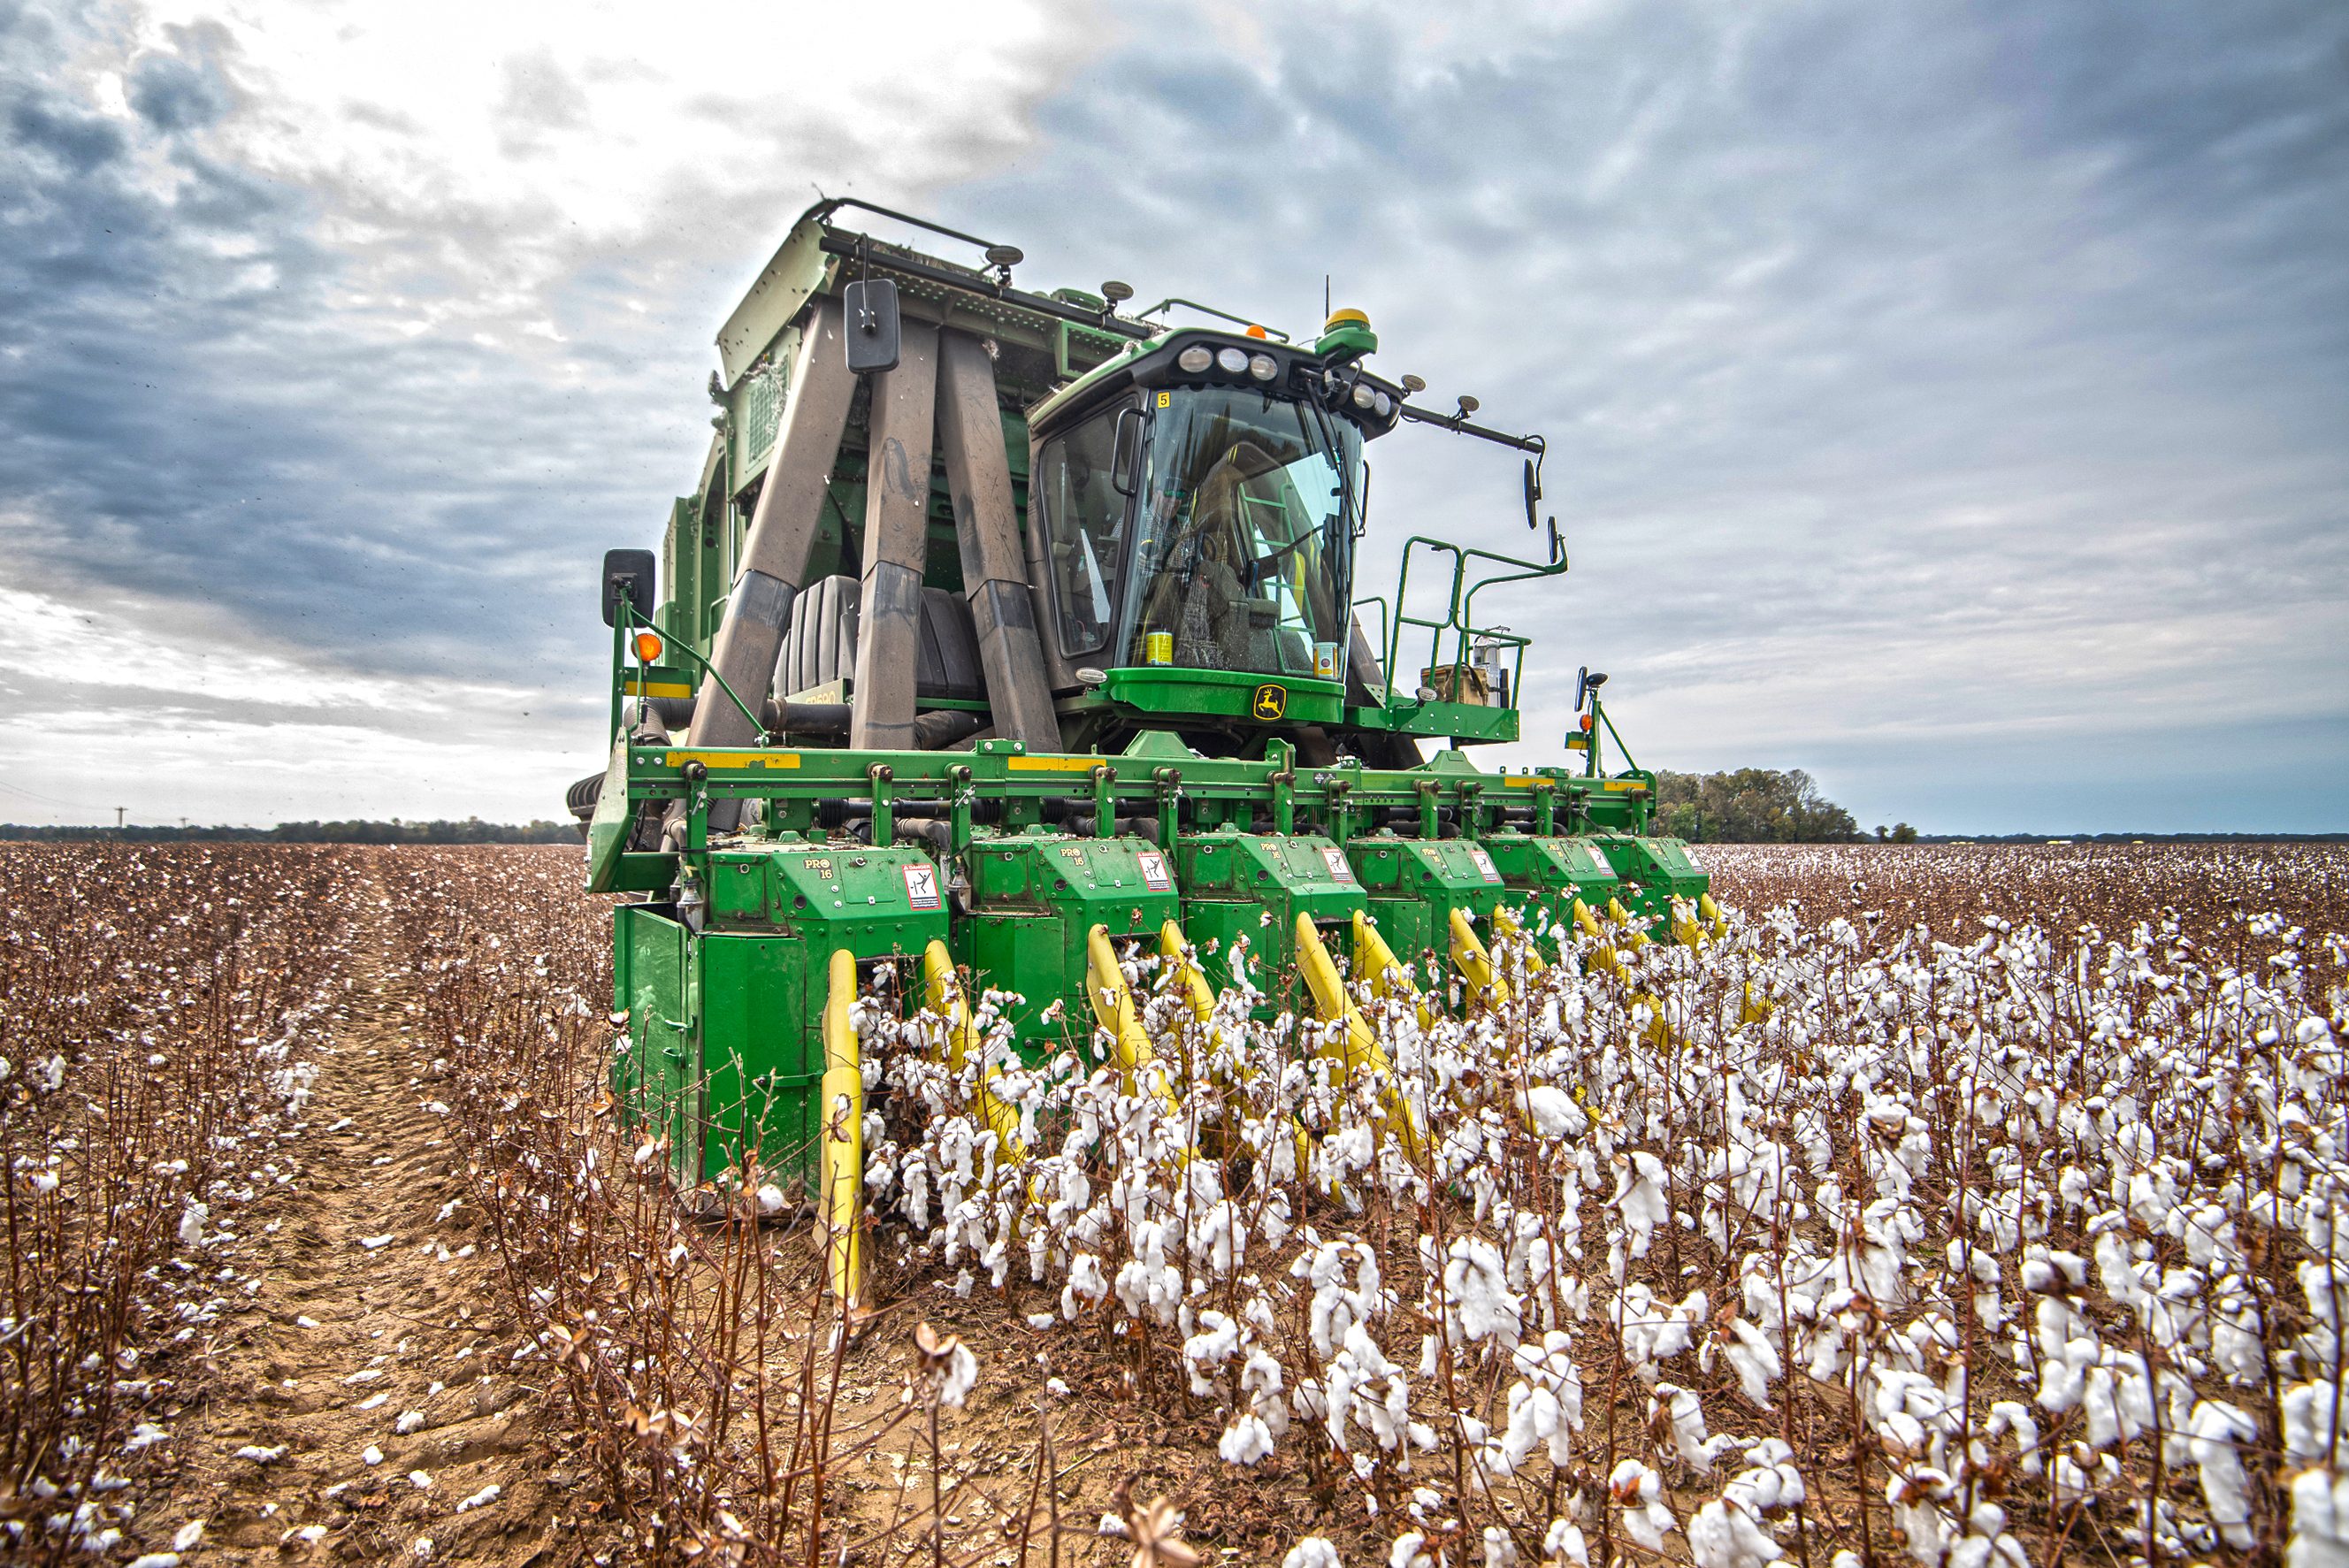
pixel 1459 612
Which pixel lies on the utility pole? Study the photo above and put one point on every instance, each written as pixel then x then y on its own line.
pixel 118 817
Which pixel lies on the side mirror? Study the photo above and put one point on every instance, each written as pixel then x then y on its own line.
pixel 869 306
pixel 628 576
pixel 1125 451
pixel 1533 495
pixel 1556 544
pixel 1581 687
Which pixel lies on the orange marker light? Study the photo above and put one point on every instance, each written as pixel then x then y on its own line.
pixel 1256 332
pixel 1585 724
pixel 648 646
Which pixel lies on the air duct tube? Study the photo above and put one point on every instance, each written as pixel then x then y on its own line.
pixel 896 543
pixel 987 533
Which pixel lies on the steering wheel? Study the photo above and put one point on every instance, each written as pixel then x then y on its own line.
pixel 1259 568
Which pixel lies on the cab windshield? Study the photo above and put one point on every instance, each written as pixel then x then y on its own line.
pixel 1245 559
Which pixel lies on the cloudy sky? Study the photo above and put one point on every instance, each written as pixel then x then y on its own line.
pixel 1949 399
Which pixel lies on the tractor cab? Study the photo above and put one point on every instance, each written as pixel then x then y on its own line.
pixel 1193 510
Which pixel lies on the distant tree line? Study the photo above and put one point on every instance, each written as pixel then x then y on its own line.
pixel 1755 806
pixel 471 831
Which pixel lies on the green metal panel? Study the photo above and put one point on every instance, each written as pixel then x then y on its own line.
pixel 657 1073
pixel 1550 872
pixel 726 1049
pixel 1471 724
pixel 1035 897
pixel 678 564
pixel 1415 884
pixel 1027 954
pixel 1236 694
pixel 1255 886
pixel 761 1052
pixel 1654 872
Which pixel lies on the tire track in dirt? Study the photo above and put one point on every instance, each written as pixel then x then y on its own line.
pixel 361 1402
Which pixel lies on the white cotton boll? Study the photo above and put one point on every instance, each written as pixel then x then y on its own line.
pixel 1649 1524
pixel 1640 1490
pixel 191 1223
pixel 771 1199
pixel 1500 1551
pixel 1553 1112
pixel 1535 1417
pixel 1204 1352
pixel 2006 1415
pixel 2320 1520
pixel 962 1375
pixel 1639 1197
pixel 1476 1294
pixel 1085 1284
pixel 189 1534
pixel 1687 1418
pixel 1244 1441
pixel 1755 1361
pixel 2308 1420
pixel 371 1455
pixel 481 1499
pixel 1563 1542
pixel 1410 1552
pixel 156 1560
pixel 2213 1435
pixel 1313 1552
pixel 1724 1535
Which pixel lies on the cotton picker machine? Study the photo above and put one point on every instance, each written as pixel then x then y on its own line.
pixel 1007 632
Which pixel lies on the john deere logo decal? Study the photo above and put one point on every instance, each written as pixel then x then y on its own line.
pixel 1271 701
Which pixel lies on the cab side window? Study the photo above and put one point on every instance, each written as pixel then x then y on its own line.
pixel 1084 528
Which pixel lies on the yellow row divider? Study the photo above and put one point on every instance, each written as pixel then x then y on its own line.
pixel 1360 1048
pixel 1475 964
pixel 1376 961
pixel 841 1162
pixel 1174 952
pixel 1584 921
pixel 1112 1003
pixel 962 1038
pixel 1175 948
pixel 1505 925
pixel 1621 916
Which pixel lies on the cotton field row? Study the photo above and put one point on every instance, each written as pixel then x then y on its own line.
pixel 1822 1238
pixel 158 1012
pixel 1944 1208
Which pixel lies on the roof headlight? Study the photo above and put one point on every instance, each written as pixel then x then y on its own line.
pixel 1232 360
pixel 1195 359
pixel 1263 366
pixel 1385 405
pixel 1364 397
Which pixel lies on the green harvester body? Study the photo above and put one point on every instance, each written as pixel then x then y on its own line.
pixel 1037 623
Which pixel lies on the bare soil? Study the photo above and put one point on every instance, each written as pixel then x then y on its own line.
pixel 360 1298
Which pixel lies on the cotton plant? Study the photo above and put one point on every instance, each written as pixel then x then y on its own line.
pixel 1829 1151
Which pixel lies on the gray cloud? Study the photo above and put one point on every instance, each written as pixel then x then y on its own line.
pixel 1942 397
pixel 1927 386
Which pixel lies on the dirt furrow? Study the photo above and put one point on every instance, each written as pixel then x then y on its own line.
pixel 362 1402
